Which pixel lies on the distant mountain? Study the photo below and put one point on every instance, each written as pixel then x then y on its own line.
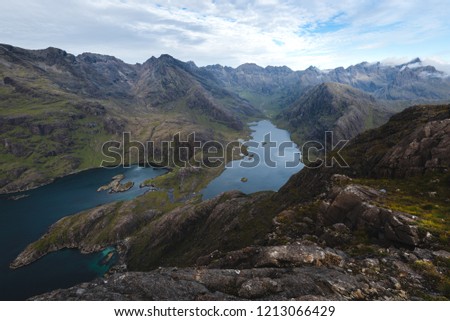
pixel 332 106
pixel 277 87
pixel 270 88
pixel 408 81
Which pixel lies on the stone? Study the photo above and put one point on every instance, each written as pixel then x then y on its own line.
pixel 351 207
pixel 441 254
pixel 258 287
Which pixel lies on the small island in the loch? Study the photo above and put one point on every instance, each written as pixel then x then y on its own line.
pixel 115 185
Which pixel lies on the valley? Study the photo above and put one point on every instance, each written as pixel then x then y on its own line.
pixel 311 233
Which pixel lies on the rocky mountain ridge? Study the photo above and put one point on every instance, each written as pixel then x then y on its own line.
pixel 281 86
pixel 335 107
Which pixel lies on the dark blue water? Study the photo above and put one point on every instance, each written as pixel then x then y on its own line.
pixel 24 221
pixel 273 169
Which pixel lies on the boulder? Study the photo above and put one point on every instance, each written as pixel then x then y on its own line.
pixel 350 205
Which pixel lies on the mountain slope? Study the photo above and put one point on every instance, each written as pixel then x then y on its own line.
pixel 333 107
pixel 57 109
pixel 269 89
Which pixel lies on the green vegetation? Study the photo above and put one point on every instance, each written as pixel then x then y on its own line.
pixel 62 233
pixel 426 197
pixel 199 229
pixel 56 114
pixel 48 139
pixel 435 279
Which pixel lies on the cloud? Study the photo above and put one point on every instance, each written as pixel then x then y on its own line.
pixel 268 32
pixel 437 63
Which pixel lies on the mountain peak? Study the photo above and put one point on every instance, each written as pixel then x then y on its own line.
pixel 166 57
pixel 334 86
pixel 414 63
pixel 191 64
pixel 95 57
pixel 282 69
pixel 313 68
pixel 250 67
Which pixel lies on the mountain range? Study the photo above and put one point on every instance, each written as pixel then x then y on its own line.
pixel 57 109
pixel 281 85
pixel 375 230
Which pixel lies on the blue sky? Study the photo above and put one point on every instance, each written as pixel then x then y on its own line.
pixel 298 34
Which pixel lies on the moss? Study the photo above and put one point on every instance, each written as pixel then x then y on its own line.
pixel 411 195
pixel 362 245
pixel 434 279
pixel 290 219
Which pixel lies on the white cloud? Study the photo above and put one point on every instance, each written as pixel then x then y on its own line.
pixel 437 63
pixel 322 33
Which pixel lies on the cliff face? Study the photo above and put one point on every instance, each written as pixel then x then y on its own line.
pixel 324 235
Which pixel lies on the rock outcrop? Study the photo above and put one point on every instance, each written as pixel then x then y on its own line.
pixel 296 272
pixel 307 283
pixel 413 143
pixel 425 150
pixel 352 206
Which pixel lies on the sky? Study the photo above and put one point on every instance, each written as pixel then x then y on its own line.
pixel 297 34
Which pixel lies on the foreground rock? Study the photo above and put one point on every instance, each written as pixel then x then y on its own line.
pixel 221 284
pixel 351 205
pixel 295 272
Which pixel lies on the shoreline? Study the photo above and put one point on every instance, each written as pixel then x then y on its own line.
pixel 247 131
pixel 52 180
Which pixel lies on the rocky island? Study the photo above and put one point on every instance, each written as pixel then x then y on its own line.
pixel 115 185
